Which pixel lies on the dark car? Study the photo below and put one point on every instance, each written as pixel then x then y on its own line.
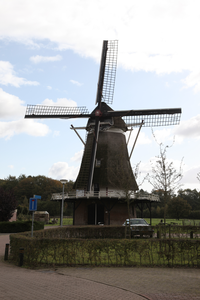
pixel 139 227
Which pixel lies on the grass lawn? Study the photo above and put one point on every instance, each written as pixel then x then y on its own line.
pixel 66 221
pixel 170 221
pixel 69 221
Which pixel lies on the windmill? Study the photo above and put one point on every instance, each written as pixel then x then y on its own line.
pixel 105 150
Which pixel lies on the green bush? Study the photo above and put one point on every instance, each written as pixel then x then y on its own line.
pixel 40 251
pixel 19 226
pixel 195 214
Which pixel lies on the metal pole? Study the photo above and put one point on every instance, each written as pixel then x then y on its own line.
pixel 21 257
pixel 32 224
pixel 74 213
pixel 136 139
pixel 6 252
pixel 72 127
pixel 61 223
pixel 129 135
pixel 95 213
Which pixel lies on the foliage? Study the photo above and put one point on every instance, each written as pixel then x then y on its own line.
pixel 178 208
pixel 195 214
pixel 19 226
pixel 192 197
pixel 53 208
pixel 8 204
pixel 45 250
pixel 156 212
pixel 34 185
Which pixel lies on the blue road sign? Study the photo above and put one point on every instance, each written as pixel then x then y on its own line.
pixel 37 197
pixel 32 204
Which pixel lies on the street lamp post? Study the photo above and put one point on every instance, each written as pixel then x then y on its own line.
pixel 63 181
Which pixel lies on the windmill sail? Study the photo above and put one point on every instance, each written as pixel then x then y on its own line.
pixel 63 112
pixel 105 90
pixel 107 73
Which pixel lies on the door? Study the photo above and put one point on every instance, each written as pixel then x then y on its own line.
pixel 95 214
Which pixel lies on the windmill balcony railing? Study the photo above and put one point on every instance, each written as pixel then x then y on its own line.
pixel 104 194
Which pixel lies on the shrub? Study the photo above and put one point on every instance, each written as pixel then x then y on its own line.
pixel 43 250
pixel 195 214
pixel 19 226
pixel 8 204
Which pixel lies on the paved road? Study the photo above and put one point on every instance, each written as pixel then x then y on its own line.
pixel 96 283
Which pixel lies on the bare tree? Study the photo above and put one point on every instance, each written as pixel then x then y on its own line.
pixel 137 174
pixel 165 177
pixel 198 176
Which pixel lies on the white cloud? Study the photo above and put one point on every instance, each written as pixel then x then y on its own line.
pixel 11 167
pixel 59 102
pixel 40 59
pixel 8 76
pixel 77 156
pixel 189 180
pixel 142 138
pixel 11 106
pixel 61 170
pixel 30 127
pixel 76 82
pixel 193 80
pixel 163 135
pixel 164 34
pixel 189 128
pixel 49 87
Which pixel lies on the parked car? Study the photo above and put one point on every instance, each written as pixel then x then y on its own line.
pixel 139 227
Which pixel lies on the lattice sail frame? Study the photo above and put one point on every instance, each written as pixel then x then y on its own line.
pixel 55 111
pixel 153 120
pixel 110 72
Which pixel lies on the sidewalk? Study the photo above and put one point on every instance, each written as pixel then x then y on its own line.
pixel 90 283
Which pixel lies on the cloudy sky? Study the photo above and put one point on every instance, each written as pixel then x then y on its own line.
pixel 50 53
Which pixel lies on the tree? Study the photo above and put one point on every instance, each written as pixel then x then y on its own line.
pixel 191 196
pixel 178 208
pixel 8 204
pixel 25 187
pixel 165 177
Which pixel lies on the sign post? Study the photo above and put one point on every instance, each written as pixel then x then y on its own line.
pixel 32 207
pixel 37 197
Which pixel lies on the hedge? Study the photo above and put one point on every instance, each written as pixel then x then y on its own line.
pixel 52 247
pixel 19 226
pixel 116 232
pixel 177 231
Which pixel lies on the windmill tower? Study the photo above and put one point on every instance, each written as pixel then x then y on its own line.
pixel 105 164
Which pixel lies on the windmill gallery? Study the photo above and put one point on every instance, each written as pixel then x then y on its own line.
pixel 106 179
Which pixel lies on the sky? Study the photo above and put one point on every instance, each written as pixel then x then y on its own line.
pixel 50 54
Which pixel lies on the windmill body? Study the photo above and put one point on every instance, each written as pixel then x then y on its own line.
pixel 105 172
pixel 111 159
